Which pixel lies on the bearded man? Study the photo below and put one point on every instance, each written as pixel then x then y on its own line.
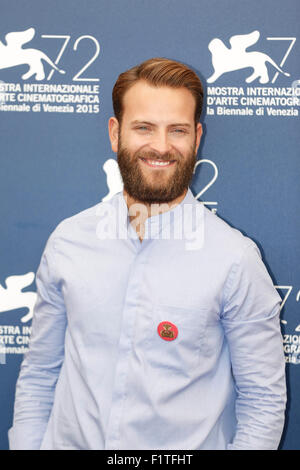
pixel 156 324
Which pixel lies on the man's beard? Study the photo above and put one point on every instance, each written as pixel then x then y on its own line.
pixel 136 185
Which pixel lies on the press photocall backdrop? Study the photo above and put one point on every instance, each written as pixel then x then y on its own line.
pixel 58 63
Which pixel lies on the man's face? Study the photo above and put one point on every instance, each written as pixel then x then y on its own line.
pixel 157 142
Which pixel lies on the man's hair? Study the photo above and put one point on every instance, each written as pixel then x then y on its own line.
pixel 158 72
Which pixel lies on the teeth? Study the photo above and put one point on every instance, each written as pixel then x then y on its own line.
pixel 155 162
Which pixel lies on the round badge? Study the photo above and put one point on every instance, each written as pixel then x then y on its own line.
pixel 167 331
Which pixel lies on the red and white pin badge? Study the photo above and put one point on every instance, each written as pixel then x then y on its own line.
pixel 167 331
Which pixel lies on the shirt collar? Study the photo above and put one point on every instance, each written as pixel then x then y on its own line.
pixel 177 222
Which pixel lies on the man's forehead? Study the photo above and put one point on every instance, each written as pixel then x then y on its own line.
pixel 144 98
pixel 143 87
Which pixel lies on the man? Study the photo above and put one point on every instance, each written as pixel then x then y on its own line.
pixel 156 324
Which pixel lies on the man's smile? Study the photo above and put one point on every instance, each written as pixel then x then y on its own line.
pixel 157 163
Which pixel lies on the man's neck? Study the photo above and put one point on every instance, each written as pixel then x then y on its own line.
pixel 141 211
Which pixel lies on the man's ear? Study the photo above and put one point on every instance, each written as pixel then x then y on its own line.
pixel 113 131
pixel 199 132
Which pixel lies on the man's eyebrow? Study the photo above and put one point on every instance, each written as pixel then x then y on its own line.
pixel 177 124
pixel 133 123
pixel 181 124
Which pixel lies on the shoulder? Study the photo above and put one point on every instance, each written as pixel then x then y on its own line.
pixel 78 225
pixel 225 239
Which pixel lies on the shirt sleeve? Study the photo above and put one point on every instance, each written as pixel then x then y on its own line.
pixel 251 323
pixel 42 362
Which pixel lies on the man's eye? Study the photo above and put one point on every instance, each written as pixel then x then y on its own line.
pixel 143 128
pixel 179 131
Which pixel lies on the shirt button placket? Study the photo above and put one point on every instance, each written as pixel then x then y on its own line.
pixel 125 349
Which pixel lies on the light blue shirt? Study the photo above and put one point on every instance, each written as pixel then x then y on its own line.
pixel 98 375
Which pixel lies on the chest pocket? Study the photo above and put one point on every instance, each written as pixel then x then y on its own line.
pixel 185 351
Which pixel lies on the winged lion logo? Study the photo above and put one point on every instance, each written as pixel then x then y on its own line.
pixel 13 54
pixel 226 59
pixel 12 297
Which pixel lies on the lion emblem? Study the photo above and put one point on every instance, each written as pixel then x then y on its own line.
pixel 13 54
pixel 167 332
pixel 12 297
pixel 226 59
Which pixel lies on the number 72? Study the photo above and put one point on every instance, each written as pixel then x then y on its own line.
pixel 66 39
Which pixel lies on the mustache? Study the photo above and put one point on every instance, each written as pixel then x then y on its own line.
pixel 151 155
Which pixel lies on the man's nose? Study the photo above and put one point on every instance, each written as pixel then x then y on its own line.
pixel 160 142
